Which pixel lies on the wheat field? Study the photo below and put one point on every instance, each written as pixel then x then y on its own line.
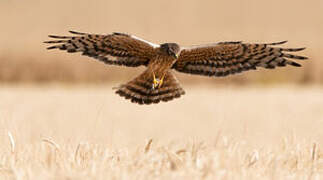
pixel 225 132
pixel 60 118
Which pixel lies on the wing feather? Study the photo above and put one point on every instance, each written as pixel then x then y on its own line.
pixel 116 48
pixel 226 58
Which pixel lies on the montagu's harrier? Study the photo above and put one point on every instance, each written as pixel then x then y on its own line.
pixel 158 83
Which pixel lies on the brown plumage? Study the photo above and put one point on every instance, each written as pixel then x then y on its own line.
pixel 158 83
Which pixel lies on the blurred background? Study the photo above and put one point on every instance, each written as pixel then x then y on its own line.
pixel 68 98
pixel 49 93
pixel 26 24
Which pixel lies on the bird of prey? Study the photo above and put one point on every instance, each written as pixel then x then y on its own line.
pixel 158 83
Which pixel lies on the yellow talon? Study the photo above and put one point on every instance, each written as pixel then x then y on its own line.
pixel 161 81
pixel 157 83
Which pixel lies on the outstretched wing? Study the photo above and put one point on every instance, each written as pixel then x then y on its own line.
pixel 116 48
pixel 226 58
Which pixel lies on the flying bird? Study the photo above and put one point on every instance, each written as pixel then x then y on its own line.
pixel 158 83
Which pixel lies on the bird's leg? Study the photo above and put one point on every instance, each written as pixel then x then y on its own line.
pixel 155 82
pixel 161 81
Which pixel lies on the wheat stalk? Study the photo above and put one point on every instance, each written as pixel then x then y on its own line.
pixel 148 145
pixel 52 143
pixel 12 142
pixel 253 158
pixel 314 151
pixel 77 152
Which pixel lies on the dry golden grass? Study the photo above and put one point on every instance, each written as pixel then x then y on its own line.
pixel 57 132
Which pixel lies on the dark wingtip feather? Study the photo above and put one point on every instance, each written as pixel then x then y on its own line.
pixel 277 43
pixel 295 64
pixel 301 57
pixel 52 47
pixel 120 34
pixel 295 56
pixel 58 37
pixel 300 49
pixel 78 33
pixel 304 57
pixel 293 49
pixel 51 42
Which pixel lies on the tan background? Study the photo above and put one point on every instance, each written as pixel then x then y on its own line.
pixel 62 128
pixel 25 24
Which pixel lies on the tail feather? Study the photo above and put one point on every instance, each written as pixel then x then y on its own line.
pixel 141 91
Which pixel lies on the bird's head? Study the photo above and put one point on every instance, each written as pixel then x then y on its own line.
pixel 171 49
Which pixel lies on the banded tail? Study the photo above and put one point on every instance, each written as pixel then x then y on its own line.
pixel 140 90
